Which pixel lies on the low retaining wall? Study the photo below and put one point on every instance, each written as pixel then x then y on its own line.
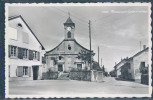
pixel 50 75
pixel 94 76
pixel 20 78
pixel 80 75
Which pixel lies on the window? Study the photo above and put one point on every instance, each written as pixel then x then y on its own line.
pixel 79 67
pixel 69 34
pixel 34 55
pixel 25 53
pixel 25 70
pixel 142 64
pixel 19 24
pixel 69 47
pixel 60 57
pixel 13 51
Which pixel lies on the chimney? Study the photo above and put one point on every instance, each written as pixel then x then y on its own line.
pixel 144 47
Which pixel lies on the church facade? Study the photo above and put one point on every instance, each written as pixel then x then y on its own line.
pixel 65 56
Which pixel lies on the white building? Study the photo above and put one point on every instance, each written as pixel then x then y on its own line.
pixel 24 51
pixel 129 68
pixel 141 59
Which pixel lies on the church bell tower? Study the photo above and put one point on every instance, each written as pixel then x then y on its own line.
pixel 69 27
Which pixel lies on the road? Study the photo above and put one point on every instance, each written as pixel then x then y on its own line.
pixel 76 88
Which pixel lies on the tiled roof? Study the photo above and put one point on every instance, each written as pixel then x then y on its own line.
pixel 132 56
pixel 69 40
pixel 14 17
pixel 139 53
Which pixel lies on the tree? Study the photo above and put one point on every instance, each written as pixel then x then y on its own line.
pixel 103 69
pixel 96 66
pixel 85 56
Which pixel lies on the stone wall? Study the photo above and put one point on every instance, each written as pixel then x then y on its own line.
pixel 80 75
pixel 94 76
pixel 50 75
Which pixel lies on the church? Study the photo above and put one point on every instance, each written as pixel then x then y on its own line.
pixel 65 56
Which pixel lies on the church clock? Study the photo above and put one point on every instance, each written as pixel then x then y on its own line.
pixel 69 28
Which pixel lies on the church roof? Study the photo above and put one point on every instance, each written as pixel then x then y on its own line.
pixel 69 40
pixel 69 20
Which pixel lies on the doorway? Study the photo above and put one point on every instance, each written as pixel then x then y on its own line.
pixel 35 72
pixel 60 68
pixel 79 67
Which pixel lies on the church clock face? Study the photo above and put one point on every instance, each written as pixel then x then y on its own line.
pixel 69 28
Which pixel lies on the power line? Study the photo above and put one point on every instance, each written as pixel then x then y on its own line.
pixel 71 15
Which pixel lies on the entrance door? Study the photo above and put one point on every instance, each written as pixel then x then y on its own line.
pixel 60 68
pixel 79 66
pixel 35 72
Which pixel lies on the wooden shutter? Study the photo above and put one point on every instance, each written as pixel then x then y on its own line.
pixel 19 52
pixel 22 52
pixel 20 71
pixel 38 56
pixel 29 71
pixel 9 50
pixel 30 55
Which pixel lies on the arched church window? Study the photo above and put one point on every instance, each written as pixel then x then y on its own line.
pixel 69 34
pixel 69 47
pixel 60 57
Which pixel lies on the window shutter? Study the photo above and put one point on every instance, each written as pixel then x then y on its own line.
pixel 19 52
pixel 9 50
pixel 20 71
pixel 29 71
pixel 30 55
pixel 38 56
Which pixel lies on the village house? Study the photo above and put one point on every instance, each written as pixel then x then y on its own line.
pixel 65 56
pixel 118 66
pixel 130 68
pixel 24 51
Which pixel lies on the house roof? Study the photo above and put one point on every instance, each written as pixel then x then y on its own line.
pixel 132 56
pixel 137 54
pixel 120 62
pixel 68 40
pixel 14 17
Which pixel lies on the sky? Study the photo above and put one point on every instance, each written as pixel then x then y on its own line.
pixel 117 30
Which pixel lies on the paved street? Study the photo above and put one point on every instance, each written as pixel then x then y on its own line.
pixel 70 87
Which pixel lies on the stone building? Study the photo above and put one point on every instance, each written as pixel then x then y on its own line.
pixel 24 57
pixel 65 56
pixel 129 68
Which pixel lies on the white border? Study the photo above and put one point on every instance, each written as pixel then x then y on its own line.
pixel 77 4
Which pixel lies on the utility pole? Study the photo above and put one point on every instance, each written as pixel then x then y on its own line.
pixel 90 42
pixel 98 56
pixel 101 63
